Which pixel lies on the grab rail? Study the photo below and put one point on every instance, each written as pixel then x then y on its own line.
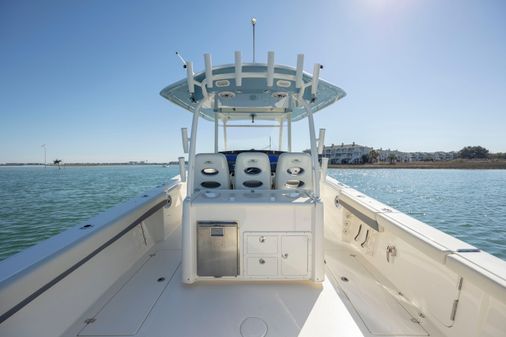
pixel 364 218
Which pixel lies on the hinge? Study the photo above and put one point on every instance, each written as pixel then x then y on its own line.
pixel 89 321
pixel 459 286
pixel 454 310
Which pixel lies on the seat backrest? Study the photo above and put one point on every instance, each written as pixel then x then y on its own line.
pixel 211 171
pixel 294 171
pixel 252 171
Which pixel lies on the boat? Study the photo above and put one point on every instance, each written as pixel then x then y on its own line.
pixel 253 242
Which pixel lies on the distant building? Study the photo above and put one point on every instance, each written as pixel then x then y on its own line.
pixel 398 156
pixel 393 156
pixel 355 154
pixel 346 153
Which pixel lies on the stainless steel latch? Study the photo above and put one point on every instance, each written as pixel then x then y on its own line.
pixel 391 251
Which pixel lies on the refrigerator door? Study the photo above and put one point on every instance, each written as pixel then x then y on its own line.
pixel 217 249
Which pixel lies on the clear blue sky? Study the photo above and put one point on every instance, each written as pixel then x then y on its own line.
pixel 84 77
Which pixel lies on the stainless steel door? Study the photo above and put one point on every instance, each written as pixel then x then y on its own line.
pixel 217 249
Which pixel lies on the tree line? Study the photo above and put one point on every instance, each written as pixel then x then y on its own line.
pixel 479 152
pixel 468 152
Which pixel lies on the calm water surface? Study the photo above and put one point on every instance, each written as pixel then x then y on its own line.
pixel 37 202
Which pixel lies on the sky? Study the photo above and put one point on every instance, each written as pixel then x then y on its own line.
pixel 83 77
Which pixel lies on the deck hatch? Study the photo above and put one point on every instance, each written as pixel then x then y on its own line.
pixel 369 298
pixel 126 311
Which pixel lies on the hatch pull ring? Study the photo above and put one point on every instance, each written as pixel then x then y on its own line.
pixel 391 251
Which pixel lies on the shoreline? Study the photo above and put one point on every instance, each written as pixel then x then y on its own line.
pixel 490 164
pixel 83 164
pixel 451 164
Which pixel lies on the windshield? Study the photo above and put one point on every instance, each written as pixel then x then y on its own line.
pixel 261 135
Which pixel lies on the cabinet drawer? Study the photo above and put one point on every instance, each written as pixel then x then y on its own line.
pixel 264 266
pixel 262 244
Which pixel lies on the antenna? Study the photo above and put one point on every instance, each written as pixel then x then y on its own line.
pixel 182 59
pixel 253 23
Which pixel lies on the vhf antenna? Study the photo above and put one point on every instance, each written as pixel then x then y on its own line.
pixel 182 59
pixel 253 23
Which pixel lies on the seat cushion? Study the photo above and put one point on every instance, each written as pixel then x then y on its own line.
pixel 252 171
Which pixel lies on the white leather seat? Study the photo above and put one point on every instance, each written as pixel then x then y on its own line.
pixel 252 171
pixel 294 171
pixel 211 171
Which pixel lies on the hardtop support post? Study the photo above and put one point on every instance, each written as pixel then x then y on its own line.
pixel 289 131
pixel 314 151
pixel 280 143
pixel 225 134
pixel 193 146
pixel 216 133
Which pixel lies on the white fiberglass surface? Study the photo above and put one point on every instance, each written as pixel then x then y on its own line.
pixel 145 307
pixel 370 299
pixel 222 308
pixel 252 91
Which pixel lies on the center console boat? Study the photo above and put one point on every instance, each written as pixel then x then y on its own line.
pixel 252 241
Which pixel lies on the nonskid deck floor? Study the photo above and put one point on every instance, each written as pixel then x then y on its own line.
pixel 153 301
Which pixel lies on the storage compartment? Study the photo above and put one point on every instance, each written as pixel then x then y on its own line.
pixel 262 266
pixel 277 255
pixel 217 249
pixel 262 244
pixel 294 255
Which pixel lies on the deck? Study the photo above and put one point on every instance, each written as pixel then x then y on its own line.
pixel 152 301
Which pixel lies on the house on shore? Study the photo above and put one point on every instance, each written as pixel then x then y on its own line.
pixel 346 153
pixel 359 154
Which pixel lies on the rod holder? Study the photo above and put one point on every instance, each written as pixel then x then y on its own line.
pixel 185 139
pixel 182 169
pixel 316 78
pixel 321 141
pixel 209 70
pixel 238 68
pixel 270 69
pixel 325 166
pixel 300 69
pixel 189 77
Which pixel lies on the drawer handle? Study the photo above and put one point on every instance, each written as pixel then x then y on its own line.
pixel 261 239
pixel 261 261
pixel 284 256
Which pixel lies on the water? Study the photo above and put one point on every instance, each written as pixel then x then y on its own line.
pixel 37 203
